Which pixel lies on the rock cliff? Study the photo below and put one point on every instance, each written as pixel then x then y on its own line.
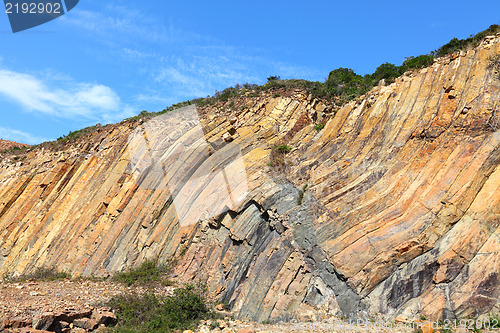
pixel 392 207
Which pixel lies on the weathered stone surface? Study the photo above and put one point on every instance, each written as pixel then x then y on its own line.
pixel 85 323
pixel 106 318
pixel 400 213
pixel 32 330
pixel 78 330
pixel 15 323
pixel 44 321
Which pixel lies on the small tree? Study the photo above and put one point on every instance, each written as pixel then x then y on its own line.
pixel 387 72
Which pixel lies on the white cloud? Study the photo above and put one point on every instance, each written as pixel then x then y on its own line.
pixel 19 136
pixel 200 75
pixel 182 63
pixel 136 55
pixel 62 97
pixel 111 20
pixel 154 97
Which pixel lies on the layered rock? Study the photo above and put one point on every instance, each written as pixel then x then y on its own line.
pixel 6 144
pixel 390 208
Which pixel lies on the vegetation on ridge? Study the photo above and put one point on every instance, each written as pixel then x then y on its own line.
pixel 341 86
pixel 461 44
pixel 344 82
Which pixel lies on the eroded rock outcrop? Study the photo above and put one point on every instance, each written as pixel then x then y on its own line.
pixel 6 144
pixel 391 208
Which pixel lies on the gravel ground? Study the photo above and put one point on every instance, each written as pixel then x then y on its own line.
pixel 28 299
pixel 25 300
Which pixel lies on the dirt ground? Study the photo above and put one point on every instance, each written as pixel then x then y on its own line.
pixel 24 301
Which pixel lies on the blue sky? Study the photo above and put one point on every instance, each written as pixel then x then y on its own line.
pixel 108 60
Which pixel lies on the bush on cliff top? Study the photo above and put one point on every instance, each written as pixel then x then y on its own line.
pixel 341 86
pixel 461 44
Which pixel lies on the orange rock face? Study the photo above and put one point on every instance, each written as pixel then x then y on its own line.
pixel 400 214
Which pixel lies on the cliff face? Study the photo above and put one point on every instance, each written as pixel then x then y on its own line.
pixel 393 207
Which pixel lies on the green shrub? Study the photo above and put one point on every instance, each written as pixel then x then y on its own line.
pixel 344 76
pixel 273 78
pixel 151 313
pixel 387 72
pixel 421 61
pixel 461 44
pixel 452 46
pixel 16 150
pixel 73 136
pixel 148 273
pixel 40 274
pixel 319 127
pixel 284 149
pixel 278 157
pixel 494 319
pixel 346 83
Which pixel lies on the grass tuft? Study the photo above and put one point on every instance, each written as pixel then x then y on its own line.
pixel 148 273
pixel 40 274
pixel 283 149
pixel 319 127
pixel 278 159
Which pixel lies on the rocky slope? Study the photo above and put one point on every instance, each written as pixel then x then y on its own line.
pixel 391 208
pixel 5 144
